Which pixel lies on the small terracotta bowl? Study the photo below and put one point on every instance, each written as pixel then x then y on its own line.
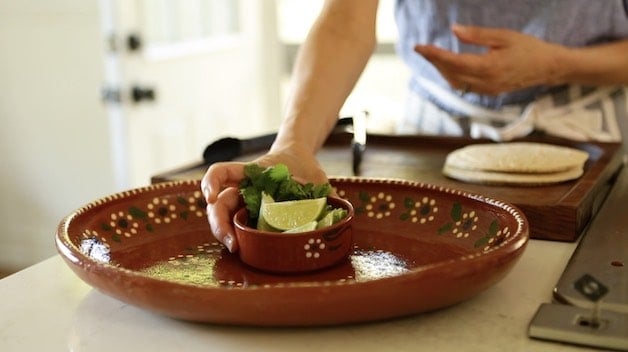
pixel 295 252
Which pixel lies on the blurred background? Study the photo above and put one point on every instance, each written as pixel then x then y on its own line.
pixel 98 95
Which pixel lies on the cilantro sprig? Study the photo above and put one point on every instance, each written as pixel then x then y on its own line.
pixel 277 182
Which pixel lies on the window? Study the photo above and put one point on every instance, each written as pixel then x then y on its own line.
pixel 181 27
pixel 168 21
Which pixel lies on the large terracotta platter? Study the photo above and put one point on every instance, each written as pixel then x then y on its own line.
pixel 417 248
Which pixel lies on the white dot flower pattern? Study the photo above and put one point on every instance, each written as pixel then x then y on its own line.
pixel 123 224
pixel 420 210
pixel 159 211
pixel 467 224
pixel 313 248
pixel 377 206
pixel 196 204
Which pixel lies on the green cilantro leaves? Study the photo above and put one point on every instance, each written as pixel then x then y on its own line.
pixel 277 182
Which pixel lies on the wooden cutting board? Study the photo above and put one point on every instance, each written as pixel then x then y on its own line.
pixel 555 212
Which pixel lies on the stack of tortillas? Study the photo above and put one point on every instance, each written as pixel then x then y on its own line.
pixel 515 163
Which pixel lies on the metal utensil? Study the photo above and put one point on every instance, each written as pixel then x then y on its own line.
pixel 358 144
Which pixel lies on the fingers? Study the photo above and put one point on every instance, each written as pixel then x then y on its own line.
pixel 458 69
pixel 470 72
pixel 482 36
pixel 440 57
pixel 511 61
pixel 220 189
pixel 220 176
pixel 462 66
pixel 219 215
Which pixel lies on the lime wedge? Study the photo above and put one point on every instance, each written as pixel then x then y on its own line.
pixel 263 226
pixel 327 220
pixel 338 214
pixel 261 223
pixel 266 198
pixel 293 213
pixel 309 226
pixel 332 217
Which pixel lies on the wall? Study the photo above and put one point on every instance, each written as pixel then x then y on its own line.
pixel 54 139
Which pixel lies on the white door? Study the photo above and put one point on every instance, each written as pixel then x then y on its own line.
pixel 182 73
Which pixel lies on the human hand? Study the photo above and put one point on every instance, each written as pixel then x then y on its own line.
pixel 512 61
pixel 220 188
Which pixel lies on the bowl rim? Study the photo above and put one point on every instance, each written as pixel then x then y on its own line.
pixel 347 219
pixel 75 258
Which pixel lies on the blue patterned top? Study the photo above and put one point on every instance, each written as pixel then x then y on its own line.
pixel 573 23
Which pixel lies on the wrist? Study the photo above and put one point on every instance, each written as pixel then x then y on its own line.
pixel 560 66
pixel 289 142
pixel 304 133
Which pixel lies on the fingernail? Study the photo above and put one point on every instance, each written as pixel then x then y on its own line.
pixel 228 242
pixel 205 191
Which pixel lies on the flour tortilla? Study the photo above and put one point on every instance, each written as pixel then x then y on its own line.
pixel 518 157
pixel 511 178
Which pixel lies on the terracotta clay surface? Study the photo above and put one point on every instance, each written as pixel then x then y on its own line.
pixel 295 252
pixel 416 247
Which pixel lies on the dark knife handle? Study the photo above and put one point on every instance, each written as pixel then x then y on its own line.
pixel 229 148
pixel 223 149
pixel 357 150
pixel 257 144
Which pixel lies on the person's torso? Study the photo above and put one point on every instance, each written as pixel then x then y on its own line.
pixel 573 23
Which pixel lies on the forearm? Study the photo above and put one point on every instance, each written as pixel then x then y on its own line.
pixel 604 64
pixel 328 65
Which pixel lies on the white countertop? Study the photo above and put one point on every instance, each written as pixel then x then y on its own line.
pixel 47 308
